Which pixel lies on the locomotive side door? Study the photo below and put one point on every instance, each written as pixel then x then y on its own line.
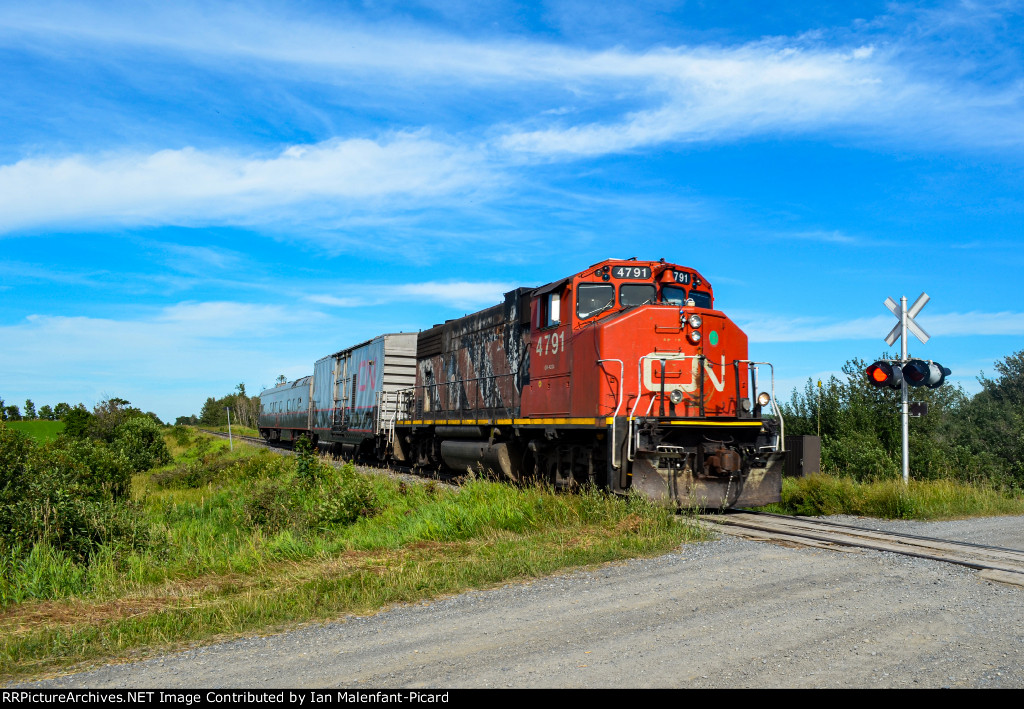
pixel 549 391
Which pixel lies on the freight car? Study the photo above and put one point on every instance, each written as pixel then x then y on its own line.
pixel 622 376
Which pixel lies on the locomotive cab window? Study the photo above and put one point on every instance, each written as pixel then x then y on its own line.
pixel 594 298
pixel 552 309
pixel 636 294
pixel 673 295
pixel 701 299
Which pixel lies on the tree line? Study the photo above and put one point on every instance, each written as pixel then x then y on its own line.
pixel 63 410
pixel 46 412
pixel 976 438
pixel 245 410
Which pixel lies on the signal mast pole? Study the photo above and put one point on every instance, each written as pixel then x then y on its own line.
pixel 903 387
pixel 910 372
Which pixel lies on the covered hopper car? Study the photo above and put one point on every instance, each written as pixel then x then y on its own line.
pixel 623 376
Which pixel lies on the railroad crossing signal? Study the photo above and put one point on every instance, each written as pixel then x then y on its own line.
pixel 910 372
pixel 916 373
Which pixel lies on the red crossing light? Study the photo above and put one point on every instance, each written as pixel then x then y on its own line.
pixel 885 374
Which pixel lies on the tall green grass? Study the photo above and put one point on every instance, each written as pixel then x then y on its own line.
pixel 250 540
pixel 891 499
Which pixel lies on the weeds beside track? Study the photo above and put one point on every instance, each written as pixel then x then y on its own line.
pixel 253 542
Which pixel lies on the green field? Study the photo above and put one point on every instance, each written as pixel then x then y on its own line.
pixel 40 431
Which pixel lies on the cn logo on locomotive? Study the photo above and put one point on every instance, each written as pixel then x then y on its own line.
pixel 651 385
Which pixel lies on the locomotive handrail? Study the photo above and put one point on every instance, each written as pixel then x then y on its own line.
pixel 618 403
pixel 780 446
pixel 507 407
pixel 390 428
pixel 631 420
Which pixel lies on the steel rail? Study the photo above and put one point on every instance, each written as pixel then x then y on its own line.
pixel 949 551
pixel 882 531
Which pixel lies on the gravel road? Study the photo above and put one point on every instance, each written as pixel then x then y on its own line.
pixel 726 613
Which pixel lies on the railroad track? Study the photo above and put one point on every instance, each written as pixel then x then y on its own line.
pixel 402 472
pixel 993 563
pixel 255 440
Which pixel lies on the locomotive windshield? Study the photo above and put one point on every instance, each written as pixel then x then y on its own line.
pixel 637 294
pixel 701 299
pixel 593 298
pixel 674 295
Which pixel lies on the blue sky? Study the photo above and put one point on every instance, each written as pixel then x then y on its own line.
pixel 194 195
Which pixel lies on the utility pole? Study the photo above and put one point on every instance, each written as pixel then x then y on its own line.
pixel 231 443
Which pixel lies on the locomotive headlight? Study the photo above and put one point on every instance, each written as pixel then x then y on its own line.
pixel 694 336
pixel 763 398
pixel 695 321
pixel 676 396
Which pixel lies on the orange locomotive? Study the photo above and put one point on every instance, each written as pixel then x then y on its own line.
pixel 623 376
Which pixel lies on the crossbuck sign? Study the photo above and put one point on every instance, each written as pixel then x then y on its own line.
pixel 897 310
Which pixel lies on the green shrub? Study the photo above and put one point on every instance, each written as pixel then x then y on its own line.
pixel 182 435
pixel 343 499
pixel 92 469
pixel 860 455
pixel 140 440
pixel 70 494
pixel 307 468
pixel 270 506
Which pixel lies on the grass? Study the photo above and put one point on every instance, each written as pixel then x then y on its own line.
pixel 40 431
pixel 254 542
pixel 891 499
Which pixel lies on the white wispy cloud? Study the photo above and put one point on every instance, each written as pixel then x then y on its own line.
pixel 565 103
pixel 200 259
pixel 169 357
pixel 674 93
pixel 461 294
pixel 970 324
pixel 191 185
pixel 457 294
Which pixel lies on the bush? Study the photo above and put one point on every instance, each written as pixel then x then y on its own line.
pixel 70 494
pixel 307 468
pixel 859 455
pixel 344 499
pixel 140 440
pixel 182 436
pixel 338 497
pixel 270 506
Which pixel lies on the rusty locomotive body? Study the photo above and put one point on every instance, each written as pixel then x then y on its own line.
pixel 623 376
